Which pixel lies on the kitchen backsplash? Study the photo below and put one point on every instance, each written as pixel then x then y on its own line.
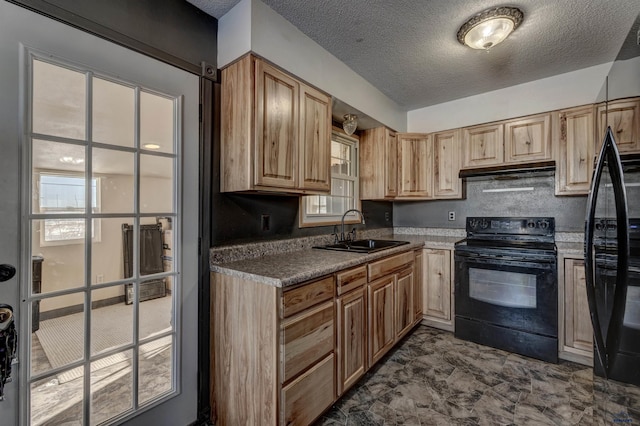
pixel 517 195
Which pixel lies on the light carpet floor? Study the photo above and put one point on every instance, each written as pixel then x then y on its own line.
pixel 62 338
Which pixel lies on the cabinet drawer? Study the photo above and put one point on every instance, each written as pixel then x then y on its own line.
pixel 351 279
pixel 304 399
pixel 385 266
pixel 307 295
pixel 306 339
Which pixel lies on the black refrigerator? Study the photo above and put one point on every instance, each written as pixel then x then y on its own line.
pixel 612 261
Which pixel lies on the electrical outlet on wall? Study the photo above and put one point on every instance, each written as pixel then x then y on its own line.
pixel 99 278
pixel 452 215
pixel 265 222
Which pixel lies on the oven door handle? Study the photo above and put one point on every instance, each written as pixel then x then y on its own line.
pixel 498 259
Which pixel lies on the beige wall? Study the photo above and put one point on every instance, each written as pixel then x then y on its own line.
pixel 63 265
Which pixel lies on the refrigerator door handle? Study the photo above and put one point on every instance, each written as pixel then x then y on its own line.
pixel 607 347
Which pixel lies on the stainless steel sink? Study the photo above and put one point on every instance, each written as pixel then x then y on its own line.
pixel 363 246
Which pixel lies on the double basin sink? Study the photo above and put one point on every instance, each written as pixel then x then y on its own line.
pixel 363 246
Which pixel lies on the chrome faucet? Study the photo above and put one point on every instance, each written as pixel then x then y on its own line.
pixel 342 236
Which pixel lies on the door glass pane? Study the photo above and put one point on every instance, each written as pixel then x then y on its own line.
pixel 59 338
pixel 156 315
pixel 111 320
pixel 111 386
pixel 107 254
pixel 155 374
pixel 59 101
pixel 113 113
pixel 502 288
pixel 156 123
pixel 63 262
pixel 57 402
pixel 156 184
pixel 115 170
pixel 59 162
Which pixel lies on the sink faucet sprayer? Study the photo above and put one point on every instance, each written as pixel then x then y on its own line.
pixel 342 236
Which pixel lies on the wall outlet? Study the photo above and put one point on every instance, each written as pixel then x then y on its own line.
pixel 265 222
pixel 387 216
pixel 452 215
pixel 99 278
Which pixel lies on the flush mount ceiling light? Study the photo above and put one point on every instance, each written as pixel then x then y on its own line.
pixel 151 146
pixel 488 28
pixel 71 160
pixel 350 123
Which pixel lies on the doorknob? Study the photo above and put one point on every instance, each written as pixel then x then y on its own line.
pixel 7 272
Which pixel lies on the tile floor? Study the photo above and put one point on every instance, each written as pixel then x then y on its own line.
pixel 432 378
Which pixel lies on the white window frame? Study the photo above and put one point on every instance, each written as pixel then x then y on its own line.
pixel 326 219
pixel 95 222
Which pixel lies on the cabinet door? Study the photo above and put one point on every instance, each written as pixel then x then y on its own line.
pixel 578 331
pixel 528 139
pixel 352 338
pixel 315 140
pixel 405 314
pixel 415 165
pixel 483 145
pixel 381 319
pixel 276 131
pixel 391 164
pixel 378 164
pixel 624 119
pixel 436 297
pixel 417 286
pixel 446 147
pixel 575 150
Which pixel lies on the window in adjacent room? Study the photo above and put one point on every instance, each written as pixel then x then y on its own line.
pixel 63 196
pixel 322 210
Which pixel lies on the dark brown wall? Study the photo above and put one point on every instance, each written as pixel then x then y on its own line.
pixel 173 31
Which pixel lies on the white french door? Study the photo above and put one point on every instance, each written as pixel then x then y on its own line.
pixel 99 180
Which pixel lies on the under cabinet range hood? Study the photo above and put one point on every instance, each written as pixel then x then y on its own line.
pixel 510 171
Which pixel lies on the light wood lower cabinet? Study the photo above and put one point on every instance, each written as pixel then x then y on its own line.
pixel 578 331
pixel 437 296
pixel 305 398
pixel 352 337
pixel 405 315
pixel 283 356
pixel 381 319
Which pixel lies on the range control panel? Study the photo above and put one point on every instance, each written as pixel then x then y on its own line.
pixel 510 226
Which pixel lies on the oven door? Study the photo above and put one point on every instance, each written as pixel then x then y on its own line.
pixel 516 291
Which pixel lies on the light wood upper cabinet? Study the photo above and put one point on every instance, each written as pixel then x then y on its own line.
pixel 528 139
pixel 276 125
pixel 378 164
pixel 574 131
pixel 483 145
pixel 578 331
pixel 275 131
pixel 446 164
pixel 415 165
pixel 624 118
pixel 315 130
pixel 437 288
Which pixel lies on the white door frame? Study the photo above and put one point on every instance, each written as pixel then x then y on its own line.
pixel 18 28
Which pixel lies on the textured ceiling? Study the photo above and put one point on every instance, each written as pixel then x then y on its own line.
pixel 409 51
